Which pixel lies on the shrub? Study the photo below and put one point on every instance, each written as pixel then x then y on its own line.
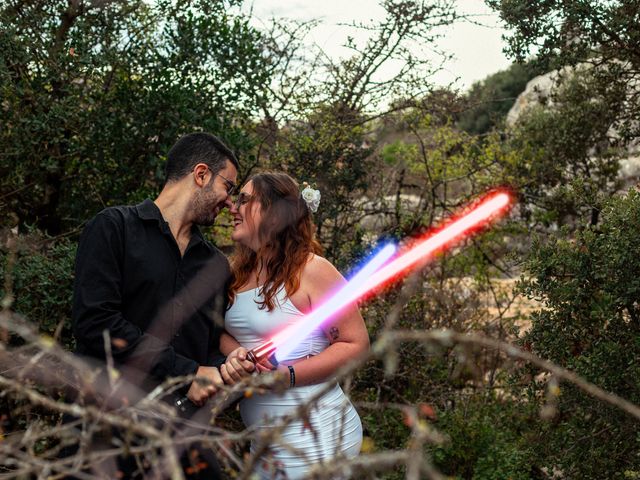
pixel 590 323
pixel 42 280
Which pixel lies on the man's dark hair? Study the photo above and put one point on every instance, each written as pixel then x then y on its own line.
pixel 195 148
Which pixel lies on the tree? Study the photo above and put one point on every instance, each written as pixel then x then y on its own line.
pixel 328 128
pixel 602 34
pixel 94 93
pixel 589 323
pixel 490 100
pixel 569 138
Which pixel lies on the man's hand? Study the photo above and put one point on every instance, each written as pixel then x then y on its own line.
pixel 237 366
pixel 199 392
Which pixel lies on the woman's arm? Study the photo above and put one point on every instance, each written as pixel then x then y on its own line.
pixel 227 343
pixel 347 332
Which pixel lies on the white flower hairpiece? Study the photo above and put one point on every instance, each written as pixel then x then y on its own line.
pixel 311 197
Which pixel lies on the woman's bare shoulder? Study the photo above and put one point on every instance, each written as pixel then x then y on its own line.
pixel 320 272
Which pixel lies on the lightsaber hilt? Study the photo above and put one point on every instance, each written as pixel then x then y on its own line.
pixel 266 350
pixel 254 355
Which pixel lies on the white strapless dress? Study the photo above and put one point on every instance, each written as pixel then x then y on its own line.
pixel 335 427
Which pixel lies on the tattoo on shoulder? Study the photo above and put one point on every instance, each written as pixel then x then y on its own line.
pixel 334 333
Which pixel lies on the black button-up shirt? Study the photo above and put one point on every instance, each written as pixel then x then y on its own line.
pixel 163 311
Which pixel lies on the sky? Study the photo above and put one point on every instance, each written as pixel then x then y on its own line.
pixel 477 48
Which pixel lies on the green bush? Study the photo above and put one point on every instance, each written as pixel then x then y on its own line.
pixel 590 323
pixel 42 278
pixel 491 99
pixel 489 439
pixel 93 97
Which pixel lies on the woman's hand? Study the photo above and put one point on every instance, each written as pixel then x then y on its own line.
pixel 237 366
pixel 264 365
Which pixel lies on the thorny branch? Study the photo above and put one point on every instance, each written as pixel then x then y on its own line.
pixel 163 430
pixel 37 372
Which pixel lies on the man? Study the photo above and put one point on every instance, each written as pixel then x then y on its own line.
pixel 149 291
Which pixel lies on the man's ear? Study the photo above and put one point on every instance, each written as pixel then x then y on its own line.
pixel 200 172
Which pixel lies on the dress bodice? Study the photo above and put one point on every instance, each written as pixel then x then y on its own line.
pixel 252 326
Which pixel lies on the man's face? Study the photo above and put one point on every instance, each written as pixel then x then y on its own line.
pixel 214 195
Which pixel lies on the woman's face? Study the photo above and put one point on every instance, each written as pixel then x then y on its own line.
pixel 247 216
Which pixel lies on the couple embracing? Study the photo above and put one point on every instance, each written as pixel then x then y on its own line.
pixel 157 299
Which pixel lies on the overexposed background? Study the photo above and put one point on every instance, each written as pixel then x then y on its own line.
pixel 476 47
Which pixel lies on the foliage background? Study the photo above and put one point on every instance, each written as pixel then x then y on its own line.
pixel 93 94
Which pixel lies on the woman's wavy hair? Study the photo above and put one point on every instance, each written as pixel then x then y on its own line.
pixel 286 235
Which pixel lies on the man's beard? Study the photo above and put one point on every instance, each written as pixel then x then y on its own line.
pixel 205 214
pixel 205 219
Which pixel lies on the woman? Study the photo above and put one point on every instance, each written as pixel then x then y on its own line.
pixel 278 277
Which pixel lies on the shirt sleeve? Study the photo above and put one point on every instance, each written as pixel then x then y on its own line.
pixel 220 304
pixel 216 356
pixel 97 306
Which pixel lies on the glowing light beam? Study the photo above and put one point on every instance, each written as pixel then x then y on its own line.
pixel 452 232
pixel 305 326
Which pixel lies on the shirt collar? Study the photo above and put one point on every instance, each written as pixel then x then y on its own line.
pixel 148 210
pixel 196 235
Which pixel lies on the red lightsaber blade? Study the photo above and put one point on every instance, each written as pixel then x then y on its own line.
pixel 327 308
pixel 492 206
